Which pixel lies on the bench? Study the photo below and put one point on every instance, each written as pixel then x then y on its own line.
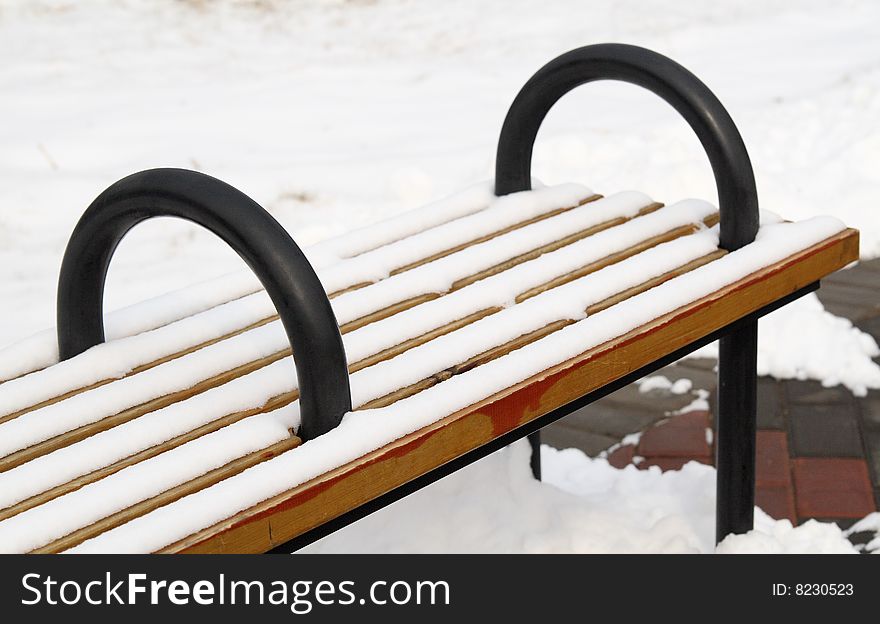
pixel 420 344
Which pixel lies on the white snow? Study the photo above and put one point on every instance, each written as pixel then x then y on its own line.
pixel 117 443
pixel 700 403
pixel 870 523
pixel 781 538
pixel 775 241
pixel 583 506
pixel 661 382
pixel 37 526
pixel 116 358
pixel 835 353
pixel 334 115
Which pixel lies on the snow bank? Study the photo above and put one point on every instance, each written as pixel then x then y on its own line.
pixel 779 537
pixel 803 341
pixel 583 505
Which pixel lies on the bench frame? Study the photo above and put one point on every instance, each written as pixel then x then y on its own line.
pixel 311 325
pixel 737 203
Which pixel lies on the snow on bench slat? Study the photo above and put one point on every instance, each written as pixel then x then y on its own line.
pixel 503 212
pixel 466 202
pixel 41 349
pixel 440 275
pixel 109 496
pixel 254 389
pixel 117 358
pixel 107 447
pixel 58 517
pixel 105 360
pixel 364 431
pixel 500 290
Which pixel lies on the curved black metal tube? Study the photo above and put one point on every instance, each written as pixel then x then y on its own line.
pixel 262 243
pixel 737 202
pixel 737 195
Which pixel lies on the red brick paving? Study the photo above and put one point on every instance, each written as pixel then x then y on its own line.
pixel 777 501
pixel 682 436
pixel 696 418
pixel 774 490
pixel 622 455
pixel 771 461
pixel 832 487
pixel 670 463
pixel 785 488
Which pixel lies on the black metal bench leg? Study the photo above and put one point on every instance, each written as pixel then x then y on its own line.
pixel 535 463
pixel 735 431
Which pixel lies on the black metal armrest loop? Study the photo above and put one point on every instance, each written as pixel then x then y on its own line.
pixel 737 195
pixel 283 269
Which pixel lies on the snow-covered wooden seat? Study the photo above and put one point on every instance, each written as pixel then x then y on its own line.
pixel 466 324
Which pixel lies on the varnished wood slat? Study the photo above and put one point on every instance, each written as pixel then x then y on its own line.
pixel 273 403
pixel 489 355
pixel 435 225
pixel 490 236
pixel 233 467
pixel 291 513
pixel 656 281
pixel 81 433
pixel 608 261
pixel 406 345
pixel 134 371
pixel 287 398
pixel 549 247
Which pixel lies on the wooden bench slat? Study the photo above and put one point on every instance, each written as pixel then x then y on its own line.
pixel 237 465
pixel 490 236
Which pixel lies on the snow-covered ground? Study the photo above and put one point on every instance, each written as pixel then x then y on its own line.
pixel 593 508
pixel 335 114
